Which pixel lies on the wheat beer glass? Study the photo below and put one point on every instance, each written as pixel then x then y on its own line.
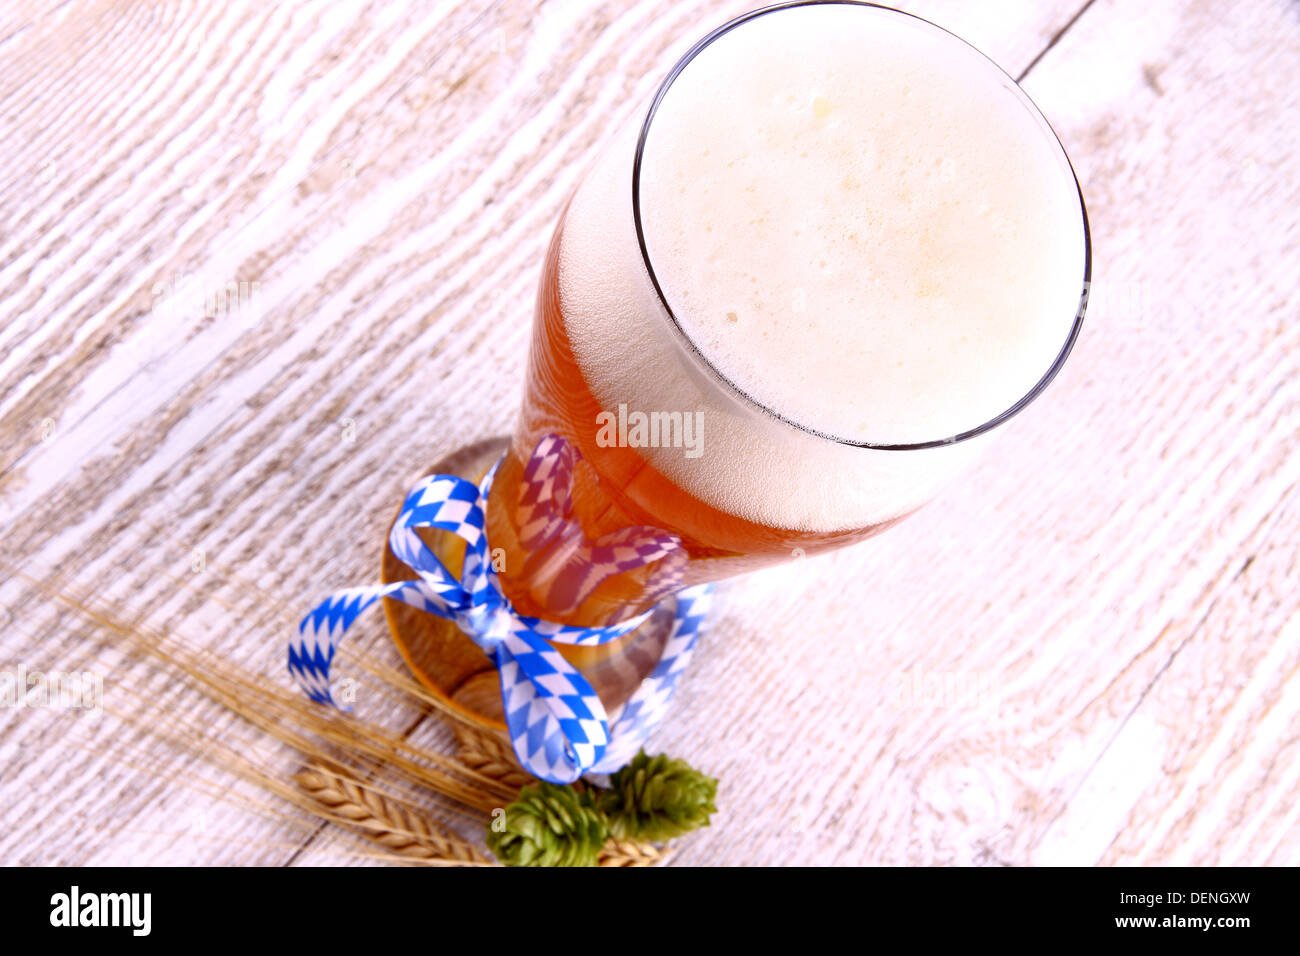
pixel 783 308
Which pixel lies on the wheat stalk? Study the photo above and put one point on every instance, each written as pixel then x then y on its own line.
pixel 385 820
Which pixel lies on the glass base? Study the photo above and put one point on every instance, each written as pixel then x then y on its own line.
pixel 457 672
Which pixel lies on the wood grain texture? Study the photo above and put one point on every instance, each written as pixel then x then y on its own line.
pixel 1086 652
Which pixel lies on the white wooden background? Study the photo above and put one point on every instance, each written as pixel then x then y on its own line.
pixel 1088 652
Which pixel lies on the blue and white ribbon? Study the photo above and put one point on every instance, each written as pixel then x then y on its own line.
pixel 557 725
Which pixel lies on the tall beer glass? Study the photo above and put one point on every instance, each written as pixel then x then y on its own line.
pixel 777 314
pixel 782 309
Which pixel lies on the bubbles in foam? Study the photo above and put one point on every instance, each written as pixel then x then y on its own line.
pixel 892 175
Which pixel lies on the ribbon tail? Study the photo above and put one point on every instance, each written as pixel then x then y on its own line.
pixel 644 709
pixel 557 724
pixel 321 631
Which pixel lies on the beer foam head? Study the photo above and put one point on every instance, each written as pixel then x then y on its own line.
pixel 862 223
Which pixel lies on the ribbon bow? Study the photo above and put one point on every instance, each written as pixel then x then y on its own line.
pixel 557 725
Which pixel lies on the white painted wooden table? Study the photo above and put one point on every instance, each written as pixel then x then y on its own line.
pixel 1088 652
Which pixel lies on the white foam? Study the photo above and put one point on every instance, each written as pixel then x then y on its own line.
pixel 859 221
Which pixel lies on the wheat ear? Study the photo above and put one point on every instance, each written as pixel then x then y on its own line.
pixel 487 754
pixel 384 820
pixel 630 853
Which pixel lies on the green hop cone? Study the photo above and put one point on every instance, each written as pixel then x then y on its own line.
pixel 549 825
pixel 657 798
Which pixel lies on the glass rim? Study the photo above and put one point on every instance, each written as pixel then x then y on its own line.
pixel 725 381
